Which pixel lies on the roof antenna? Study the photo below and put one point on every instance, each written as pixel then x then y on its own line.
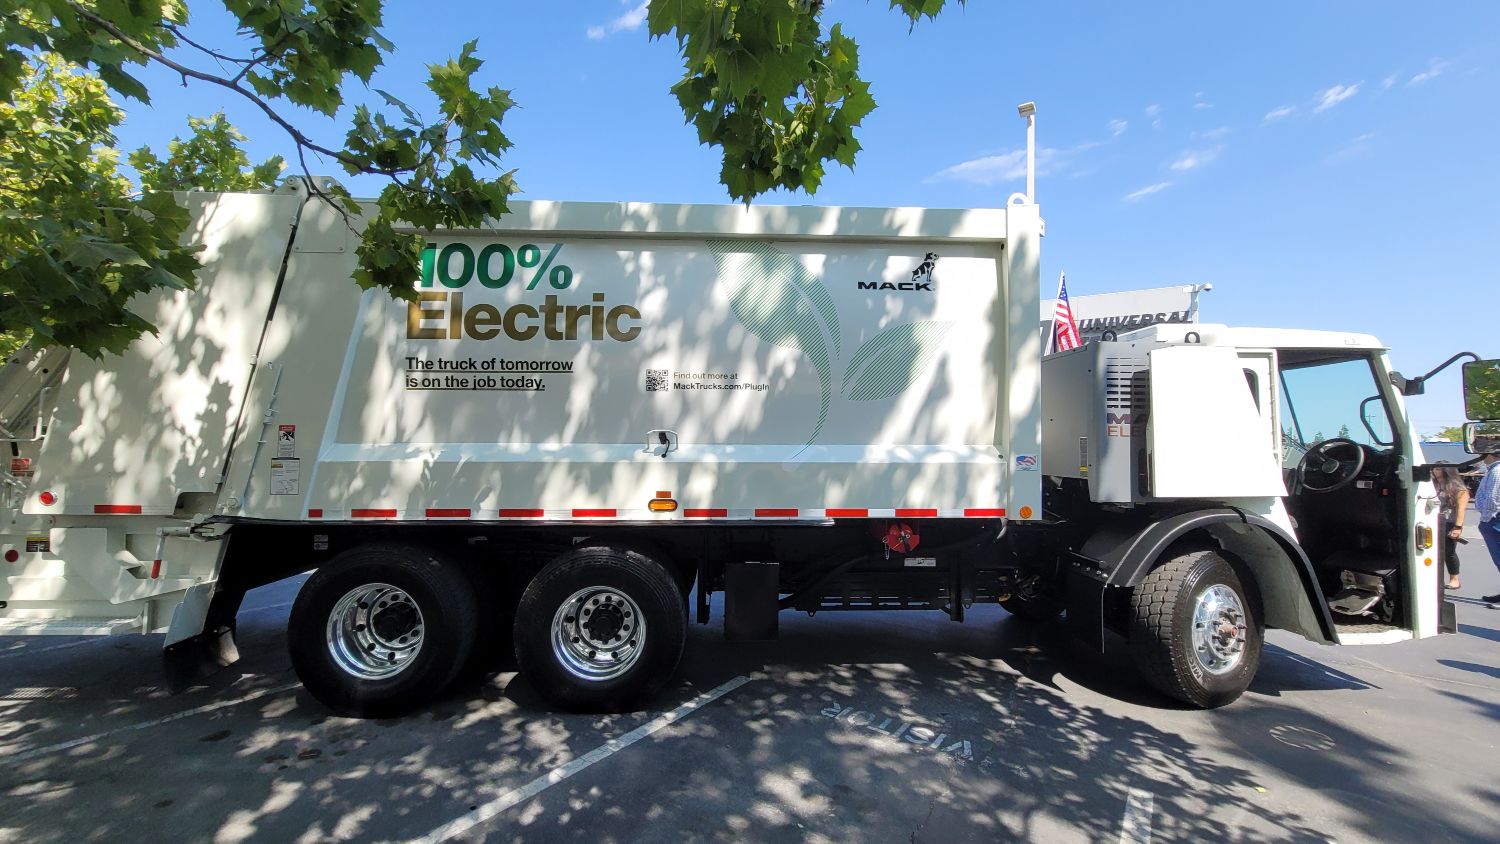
pixel 1028 111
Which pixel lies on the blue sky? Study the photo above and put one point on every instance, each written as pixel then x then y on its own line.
pixel 1325 165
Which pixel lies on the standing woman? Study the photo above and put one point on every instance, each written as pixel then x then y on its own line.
pixel 1454 497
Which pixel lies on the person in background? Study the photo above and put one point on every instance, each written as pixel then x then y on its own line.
pixel 1454 497
pixel 1487 502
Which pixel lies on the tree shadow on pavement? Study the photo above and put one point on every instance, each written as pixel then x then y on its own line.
pixel 811 749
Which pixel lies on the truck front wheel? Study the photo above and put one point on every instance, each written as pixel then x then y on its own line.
pixel 382 629
pixel 1195 629
pixel 600 628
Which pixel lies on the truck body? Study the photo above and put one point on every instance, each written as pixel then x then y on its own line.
pixel 589 409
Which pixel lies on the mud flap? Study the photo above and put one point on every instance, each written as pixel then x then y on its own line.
pixel 1447 617
pixel 193 659
pixel 187 660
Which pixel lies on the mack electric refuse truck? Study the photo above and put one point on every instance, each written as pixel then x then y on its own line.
pixel 593 417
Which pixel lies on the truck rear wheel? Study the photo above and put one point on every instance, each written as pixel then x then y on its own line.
pixel 600 628
pixel 382 629
pixel 1195 630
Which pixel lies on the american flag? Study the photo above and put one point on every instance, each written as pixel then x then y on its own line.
pixel 1064 329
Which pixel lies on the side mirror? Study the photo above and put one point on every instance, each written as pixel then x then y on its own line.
pixel 1482 389
pixel 1482 437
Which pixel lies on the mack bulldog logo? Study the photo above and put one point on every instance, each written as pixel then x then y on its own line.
pixel 921 278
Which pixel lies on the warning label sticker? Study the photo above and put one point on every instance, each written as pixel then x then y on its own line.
pixel 286 475
pixel 286 440
pixel 35 544
pixel 20 467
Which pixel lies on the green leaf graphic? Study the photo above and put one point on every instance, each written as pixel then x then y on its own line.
pixel 889 362
pixel 778 301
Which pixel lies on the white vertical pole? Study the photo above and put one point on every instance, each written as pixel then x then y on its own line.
pixel 1028 111
pixel 1031 156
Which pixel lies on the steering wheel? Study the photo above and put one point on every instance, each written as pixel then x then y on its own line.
pixel 1332 473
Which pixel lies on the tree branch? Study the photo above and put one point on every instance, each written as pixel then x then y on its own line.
pixel 172 28
pixel 190 73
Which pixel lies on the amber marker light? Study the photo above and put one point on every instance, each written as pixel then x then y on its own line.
pixel 663 502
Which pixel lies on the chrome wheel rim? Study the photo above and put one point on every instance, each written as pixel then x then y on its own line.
pixel 598 633
pixel 1219 630
pixel 375 631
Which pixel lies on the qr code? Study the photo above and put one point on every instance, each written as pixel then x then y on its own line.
pixel 656 380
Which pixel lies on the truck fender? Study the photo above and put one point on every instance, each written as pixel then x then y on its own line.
pixel 1288 585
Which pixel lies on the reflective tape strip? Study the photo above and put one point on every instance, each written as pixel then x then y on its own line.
pixel 521 513
pixel 117 509
pixel 448 512
pixel 847 513
pixel 315 513
pixel 775 512
pixel 915 513
pixel 596 513
pixel 705 513
pixel 984 513
pixel 368 513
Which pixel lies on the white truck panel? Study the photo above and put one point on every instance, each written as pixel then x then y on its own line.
pixel 795 374
pixel 1207 438
pixel 134 431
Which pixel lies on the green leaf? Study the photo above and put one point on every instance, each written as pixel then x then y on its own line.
pixel 778 301
pixel 889 363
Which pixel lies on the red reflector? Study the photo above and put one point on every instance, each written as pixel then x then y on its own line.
pixel 847 513
pixel 449 513
pixel 117 509
pixel 521 513
pixel 11 555
pixel 47 499
pixel 315 513
pixel 706 513
pixel 984 513
pixel 915 513
pixel 593 514
pixel 372 514
pixel 155 569
pixel 776 512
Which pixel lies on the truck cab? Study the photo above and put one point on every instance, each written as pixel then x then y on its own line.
pixel 1288 452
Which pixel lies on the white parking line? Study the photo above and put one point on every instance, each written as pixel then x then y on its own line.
pixel 1135 827
pixel 511 798
pixel 155 722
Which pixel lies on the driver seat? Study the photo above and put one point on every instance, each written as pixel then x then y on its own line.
pixel 1365 580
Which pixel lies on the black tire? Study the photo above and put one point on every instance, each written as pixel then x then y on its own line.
pixel 449 614
pixel 1161 630
pixel 646 583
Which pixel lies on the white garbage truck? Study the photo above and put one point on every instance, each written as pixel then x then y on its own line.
pixel 592 417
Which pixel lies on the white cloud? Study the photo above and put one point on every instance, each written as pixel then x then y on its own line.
pixel 1330 97
pixel 1118 127
pixel 1213 134
pixel 989 170
pixel 1147 191
pixel 1279 112
pixel 1387 82
pixel 628 22
pixel 1433 71
pixel 1200 103
pixel 1354 149
pixel 1153 111
pixel 1192 159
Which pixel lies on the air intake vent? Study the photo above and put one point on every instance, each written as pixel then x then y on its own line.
pixel 1123 390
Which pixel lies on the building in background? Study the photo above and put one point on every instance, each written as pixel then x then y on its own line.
pixel 1128 310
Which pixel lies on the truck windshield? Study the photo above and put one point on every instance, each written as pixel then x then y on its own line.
pixel 1328 398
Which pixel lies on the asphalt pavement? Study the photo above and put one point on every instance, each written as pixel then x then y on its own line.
pixel 851 727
